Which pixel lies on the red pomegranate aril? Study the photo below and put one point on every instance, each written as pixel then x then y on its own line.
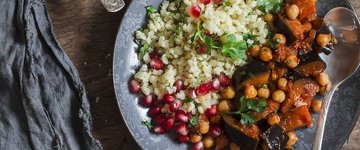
pixel 182 116
pixel 203 89
pixel 183 138
pixel 215 84
pixel 155 110
pixel 168 98
pixel 215 130
pixel 154 55
pixel 179 84
pixel 169 123
pixel 198 146
pixel 205 2
pixel 182 129
pixel 195 11
pixel 156 64
pixel 134 86
pixel 159 119
pixel 148 100
pixel 217 1
pixel 210 112
pixel 191 93
pixel 201 50
pixel 174 106
pixel 224 80
pixel 159 129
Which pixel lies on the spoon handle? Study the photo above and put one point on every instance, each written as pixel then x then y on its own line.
pixel 322 120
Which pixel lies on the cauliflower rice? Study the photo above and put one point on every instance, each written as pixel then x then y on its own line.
pixel 172 38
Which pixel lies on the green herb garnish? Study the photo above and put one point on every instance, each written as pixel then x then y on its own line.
pixel 233 48
pixel 144 49
pixel 151 10
pixel 248 105
pixel 275 43
pixel 264 86
pixel 200 79
pixel 188 100
pixel 250 74
pixel 148 124
pixel 193 121
pixel 270 6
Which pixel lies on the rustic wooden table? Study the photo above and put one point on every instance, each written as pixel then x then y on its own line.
pixel 87 34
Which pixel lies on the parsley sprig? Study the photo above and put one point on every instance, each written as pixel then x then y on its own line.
pixel 148 124
pixel 248 105
pixel 233 48
pixel 270 6
pixel 151 10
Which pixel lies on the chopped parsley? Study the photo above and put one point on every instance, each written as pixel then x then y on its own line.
pixel 151 10
pixel 148 124
pixel 144 49
pixel 233 48
pixel 274 44
pixel 264 86
pixel 193 121
pixel 248 105
pixel 270 6
pixel 200 79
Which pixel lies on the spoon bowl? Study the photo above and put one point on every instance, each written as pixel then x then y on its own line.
pixel 343 62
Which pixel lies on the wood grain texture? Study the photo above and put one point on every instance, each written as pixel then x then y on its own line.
pixel 87 34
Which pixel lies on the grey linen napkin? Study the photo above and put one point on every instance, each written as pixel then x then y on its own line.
pixel 43 104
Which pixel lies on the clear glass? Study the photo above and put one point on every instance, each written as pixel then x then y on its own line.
pixel 113 5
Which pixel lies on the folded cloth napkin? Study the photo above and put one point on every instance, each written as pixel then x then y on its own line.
pixel 43 104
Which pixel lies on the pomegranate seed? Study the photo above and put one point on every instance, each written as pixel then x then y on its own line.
pixel 182 129
pixel 134 86
pixel 217 1
pixel 174 106
pixel 156 64
pixel 182 116
pixel 215 130
pixel 159 119
pixel 201 50
pixel 191 93
pixel 168 98
pixel 215 84
pixel 203 89
pixel 153 111
pixel 198 146
pixel 183 138
pixel 154 55
pixel 195 11
pixel 210 112
pixel 224 80
pixel 169 123
pixel 148 100
pixel 205 2
pixel 159 130
pixel 179 84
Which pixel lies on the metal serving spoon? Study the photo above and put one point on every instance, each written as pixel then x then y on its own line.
pixel 113 5
pixel 344 60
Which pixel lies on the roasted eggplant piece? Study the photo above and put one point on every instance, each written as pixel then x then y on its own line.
pixel 292 29
pixel 245 136
pixel 311 64
pixel 301 92
pixel 255 73
pixel 274 138
pixel 296 118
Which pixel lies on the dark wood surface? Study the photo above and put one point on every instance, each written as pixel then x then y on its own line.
pixel 87 34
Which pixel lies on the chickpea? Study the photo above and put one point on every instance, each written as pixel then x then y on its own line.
pixel 195 138
pixel 292 139
pixel 274 76
pixel 269 18
pixel 263 93
pixel 323 39
pixel 229 92
pixel 323 79
pixel 316 105
pixel 250 91
pixel 223 106
pixel 292 61
pixel 215 119
pixel 254 51
pixel 208 141
pixel 278 96
pixel 204 124
pixel 292 11
pixel 265 54
pixel 273 119
pixel 325 89
pixel 280 39
pixel 233 146
pixel 282 84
